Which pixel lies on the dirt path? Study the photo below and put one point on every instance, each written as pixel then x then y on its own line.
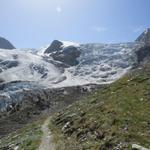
pixel 46 143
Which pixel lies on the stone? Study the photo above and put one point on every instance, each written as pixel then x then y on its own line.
pixel 138 147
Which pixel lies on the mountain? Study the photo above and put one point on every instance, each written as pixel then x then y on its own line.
pixel 144 37
pixel 5 44
pixel 71 65
pixel 63 64
pixel 110 83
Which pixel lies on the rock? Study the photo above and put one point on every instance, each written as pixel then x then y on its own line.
pixel 68 56
pixel 144 37
pixel 55 46
pixel 68 129
pixel 143 54
pixel 9 64
pixel 66 126
pixel 16 148
pixel 138 147
pixel 5 44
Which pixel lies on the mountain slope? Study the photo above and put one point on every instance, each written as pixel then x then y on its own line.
pixel 26 138
pixel 113 118
pixel 5 44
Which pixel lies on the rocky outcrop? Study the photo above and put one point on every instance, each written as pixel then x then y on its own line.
pixel 144 37
pixel 143 55
pixel 55 46
pixel 5 44
pixel 68 56
pixel 65 54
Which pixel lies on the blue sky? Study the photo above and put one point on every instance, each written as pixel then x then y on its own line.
pixel 35 23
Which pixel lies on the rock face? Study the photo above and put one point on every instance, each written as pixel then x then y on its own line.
pixel 68 56
pixel 65 54
pixel 5 44
pixel 55 46
pixel 143 55
pixel 144 37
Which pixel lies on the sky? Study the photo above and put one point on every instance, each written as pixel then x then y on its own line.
pixel 36 23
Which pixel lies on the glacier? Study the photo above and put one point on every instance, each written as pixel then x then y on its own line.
pixel 98 64
pixel 28 69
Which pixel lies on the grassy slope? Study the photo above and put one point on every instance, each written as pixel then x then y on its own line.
pixel 27 138
pixel 114 117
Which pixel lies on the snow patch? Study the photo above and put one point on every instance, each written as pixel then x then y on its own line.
pixel 69 43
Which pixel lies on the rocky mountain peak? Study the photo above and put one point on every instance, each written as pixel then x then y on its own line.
pixel 55 46
pixel 5 44
pixel 144 37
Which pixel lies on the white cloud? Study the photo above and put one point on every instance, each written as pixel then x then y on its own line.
pixel 59 9
pixel 99 29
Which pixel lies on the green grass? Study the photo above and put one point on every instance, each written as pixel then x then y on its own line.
pixel 27 138
pixel 117 116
